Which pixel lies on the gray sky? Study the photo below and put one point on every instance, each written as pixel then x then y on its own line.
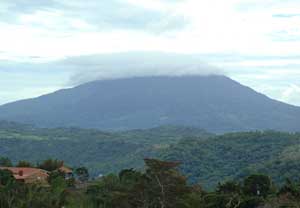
pixel 46 45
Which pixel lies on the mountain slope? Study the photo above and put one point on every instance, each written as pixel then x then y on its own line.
pixel 236 155
pixel 101 152
pixel 214 103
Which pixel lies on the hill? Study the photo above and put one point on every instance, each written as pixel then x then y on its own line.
pixel 206 158
pixel 101 152
pixel 215 103
pixel 235 155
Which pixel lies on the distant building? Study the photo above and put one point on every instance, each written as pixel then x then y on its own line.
pixel 67 171
pixel 28 175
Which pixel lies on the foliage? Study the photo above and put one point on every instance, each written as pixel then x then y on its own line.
pixel 82 174
pixel 236 155
pixel 5 162
pixel 101 152
pixel 257 185
pixel 24 163
pixel 205 158
pixel 51 165
pixel 160 185
pixel 6 177
pixel 54 175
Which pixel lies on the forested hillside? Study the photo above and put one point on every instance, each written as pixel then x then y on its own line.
pixel 205 158
pixel 101 152
pixel 232 156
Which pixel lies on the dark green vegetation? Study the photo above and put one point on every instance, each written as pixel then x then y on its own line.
pixel 101 152
pixel 160 185
pixel 205 158
pixel 215 103
pixel 232 156
pixel 55 192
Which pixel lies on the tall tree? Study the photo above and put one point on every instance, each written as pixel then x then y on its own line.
pixel 161 186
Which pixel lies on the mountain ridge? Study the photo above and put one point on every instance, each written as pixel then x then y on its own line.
pixel 215 103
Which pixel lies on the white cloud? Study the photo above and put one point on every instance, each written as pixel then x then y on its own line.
pixel 211 27
pixel 291 94
pixel 262 63
pixel 253 34
pixel 120 65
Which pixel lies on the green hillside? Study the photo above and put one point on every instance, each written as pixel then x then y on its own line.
pixel 101 152
pixel 206 158
pixel 232 156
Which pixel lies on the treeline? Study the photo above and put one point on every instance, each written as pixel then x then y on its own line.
pixel 205 157
pixel 234 156
pixel 160 185
pixel 50 165
pixel 102 152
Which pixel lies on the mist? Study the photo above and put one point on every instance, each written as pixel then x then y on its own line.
pixel 134 64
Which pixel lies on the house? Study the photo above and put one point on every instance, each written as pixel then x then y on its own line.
pixel 67 171
pixel 28 175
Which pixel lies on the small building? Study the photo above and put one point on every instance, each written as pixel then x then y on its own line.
pixel 28 175
pixel 67 171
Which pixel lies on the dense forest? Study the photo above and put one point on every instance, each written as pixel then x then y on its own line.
pixel 101 152
pixel 205 158
pixel 160 185
pixel 235 155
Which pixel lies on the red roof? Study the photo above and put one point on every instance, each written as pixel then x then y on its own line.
pixel 23 173
pixel 65 169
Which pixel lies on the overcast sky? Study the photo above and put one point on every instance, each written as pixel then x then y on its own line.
pixel 46 45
